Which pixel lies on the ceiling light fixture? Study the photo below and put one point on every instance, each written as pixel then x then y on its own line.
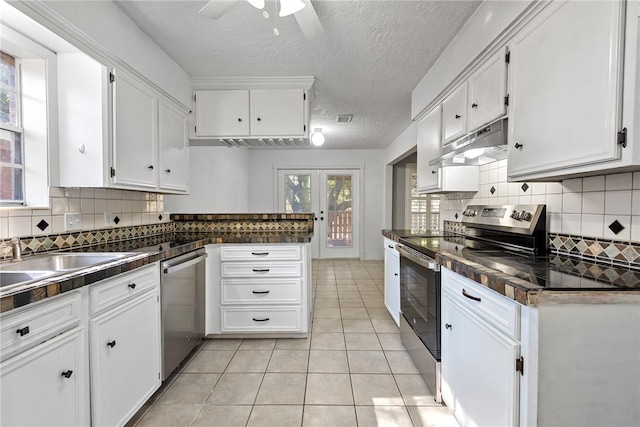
pixel 289 7
pixel 317 138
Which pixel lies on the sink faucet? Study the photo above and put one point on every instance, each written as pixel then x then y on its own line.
pixel 16 250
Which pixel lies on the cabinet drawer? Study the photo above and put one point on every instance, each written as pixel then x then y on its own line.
pixel 34 325
pixel 496 309
pixel 262 291
pixel 252 253
pixel 122 287
pixel 261 319
pixel 237 269
pixel 389 245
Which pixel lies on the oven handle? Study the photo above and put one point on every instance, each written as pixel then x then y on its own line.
pixel 429 263
pixel 168 269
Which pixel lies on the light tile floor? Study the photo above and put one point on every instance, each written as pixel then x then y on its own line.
pixel 352 371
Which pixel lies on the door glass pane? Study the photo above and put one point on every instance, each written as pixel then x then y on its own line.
pixel 339 233
pixel 297 193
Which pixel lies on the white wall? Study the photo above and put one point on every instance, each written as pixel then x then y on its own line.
pixel 107 25
pixel 218 181
pixel 263 164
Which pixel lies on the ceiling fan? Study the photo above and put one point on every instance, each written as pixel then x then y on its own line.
pixel 302 10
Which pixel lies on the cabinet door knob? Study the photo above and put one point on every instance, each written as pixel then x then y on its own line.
pixel 395 274
pixel 448 326
pixel 259 119
pixel 239 119
pixel 321 218
pixel 518 145
pixel 132 285
pixel 23 331
pixel 433 171
pixel 474 105
pixel 111 343
pixel 458 116
pixel 150 167
pixel 67 374
pixel 168 170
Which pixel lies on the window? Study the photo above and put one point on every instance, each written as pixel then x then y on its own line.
pixel 423 210
pixel 11 150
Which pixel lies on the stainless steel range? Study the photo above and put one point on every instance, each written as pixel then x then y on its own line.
pixel 518 229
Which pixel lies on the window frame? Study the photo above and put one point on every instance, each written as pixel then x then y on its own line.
pixel 16 129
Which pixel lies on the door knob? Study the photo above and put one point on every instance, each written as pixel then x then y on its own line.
pixel 474 105
pixel 150 167
pixel 518 146
pixel 448 326
pixel 458 116
pixel 111 343
pixel 67 374
pixel 168 171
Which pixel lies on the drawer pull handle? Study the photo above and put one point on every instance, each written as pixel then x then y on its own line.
pixel 390 246
pixel 261 270
pixel 260 253
pixel 448 326
pixel 464 292
pixel 260 292
pixel 111 343
pixel 132 285
pixel 23 331
pixel 67 374
pixel 264 319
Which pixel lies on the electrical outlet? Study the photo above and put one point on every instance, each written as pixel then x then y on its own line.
pixel 72 221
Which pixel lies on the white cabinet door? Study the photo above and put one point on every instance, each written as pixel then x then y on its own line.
pixel 487 92
pixel 277 112
pixel 454 114
pixel 125 359
pixel 479 380
pixel 392 283
pixel 45 386
pixel 565 89
pixel 429 138
pixel 174 148
pixel 222 113
pixel 135 133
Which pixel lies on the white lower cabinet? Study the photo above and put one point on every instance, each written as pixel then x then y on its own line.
pixel 258 289
pixel 479 380
pixel 47 385
pixel 392 279
pixel 125 346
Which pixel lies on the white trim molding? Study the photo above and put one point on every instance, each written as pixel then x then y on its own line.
pixel 290 82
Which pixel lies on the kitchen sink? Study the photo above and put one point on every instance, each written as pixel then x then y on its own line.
pixel 47 265
pixel 63 262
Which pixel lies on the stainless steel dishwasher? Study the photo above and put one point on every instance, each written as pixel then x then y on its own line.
pixel 182 294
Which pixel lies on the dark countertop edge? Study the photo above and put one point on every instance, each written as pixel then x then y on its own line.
pixel 59 284
pixel 528 294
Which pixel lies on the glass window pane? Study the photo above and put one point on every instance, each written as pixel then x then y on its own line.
pixel 11 185
pixel 10 147
pixel 8 90
pixel 339 211
pixel 297 193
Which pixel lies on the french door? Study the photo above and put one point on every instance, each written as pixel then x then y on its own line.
pixel 333 196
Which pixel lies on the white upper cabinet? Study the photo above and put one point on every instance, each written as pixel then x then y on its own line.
pixel 278 112
pixel 487 92
pixel 254 113
pixel 566 80
pixel 454 114
pixel 429 140
pixel 222 112
pixel 174 148
pixel 135 123
pixel 116 131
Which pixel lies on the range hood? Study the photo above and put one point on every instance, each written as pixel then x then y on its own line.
pixel 483 146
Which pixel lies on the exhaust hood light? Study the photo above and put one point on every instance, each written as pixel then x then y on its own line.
pixel 317 138
pixel 474 152
pixel 258 4
pixel 289 7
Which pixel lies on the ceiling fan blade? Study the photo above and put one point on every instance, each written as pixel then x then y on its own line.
pixel 216 8
pixel 309 22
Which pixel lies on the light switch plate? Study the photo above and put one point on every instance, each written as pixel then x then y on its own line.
pixel 72 221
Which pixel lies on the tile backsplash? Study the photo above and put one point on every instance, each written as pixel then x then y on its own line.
pixel 603 206
pixel 98 208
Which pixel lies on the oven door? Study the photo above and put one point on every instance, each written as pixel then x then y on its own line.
pixel 420 297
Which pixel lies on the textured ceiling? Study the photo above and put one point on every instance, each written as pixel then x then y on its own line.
pixel 373 53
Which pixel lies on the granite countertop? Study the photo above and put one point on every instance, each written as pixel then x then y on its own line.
pixel 145 251
pixel 532 280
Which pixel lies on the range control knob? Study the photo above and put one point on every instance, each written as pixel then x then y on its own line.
pixel 469 212
pixel 526 216
pixel 514 215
